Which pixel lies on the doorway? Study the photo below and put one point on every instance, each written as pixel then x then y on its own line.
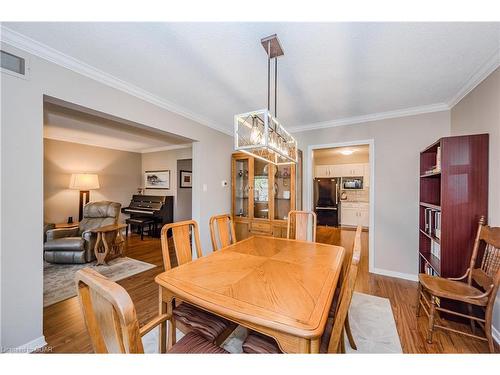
pixel 340 187
pixel 184 189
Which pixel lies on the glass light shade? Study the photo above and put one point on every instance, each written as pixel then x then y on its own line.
pixel 259 134
pixel 84 181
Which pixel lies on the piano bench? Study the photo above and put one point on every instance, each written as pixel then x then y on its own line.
pixel 141 223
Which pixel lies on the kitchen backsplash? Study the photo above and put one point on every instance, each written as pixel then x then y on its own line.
pixel 357 195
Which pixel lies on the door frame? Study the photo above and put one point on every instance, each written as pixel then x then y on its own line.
pixel 308 192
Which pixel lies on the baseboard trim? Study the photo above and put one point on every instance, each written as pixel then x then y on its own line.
pixel 29 347
pixel 399 275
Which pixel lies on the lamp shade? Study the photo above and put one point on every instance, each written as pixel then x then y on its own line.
pixel 84 181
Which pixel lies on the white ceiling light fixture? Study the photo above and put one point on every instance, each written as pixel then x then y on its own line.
pixel 347 152
pixel 259 133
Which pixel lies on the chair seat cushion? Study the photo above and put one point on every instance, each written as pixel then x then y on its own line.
pixel 256 343
pixel 194 343
pixel 65 244
pixel 208 325
pixel 451 289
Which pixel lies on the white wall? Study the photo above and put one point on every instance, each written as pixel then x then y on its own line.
pixel 166 160
pixel 22 152
pixel 119 177
pixel 479 112
pixel 397 144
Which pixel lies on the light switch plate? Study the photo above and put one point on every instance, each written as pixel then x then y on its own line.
pixel 205 187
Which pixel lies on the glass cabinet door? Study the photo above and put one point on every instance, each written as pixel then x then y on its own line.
pixel 282 191
pixel 261 189
pixel 241 188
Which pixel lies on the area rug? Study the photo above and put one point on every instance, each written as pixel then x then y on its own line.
pixel 372 325
pixel 59 279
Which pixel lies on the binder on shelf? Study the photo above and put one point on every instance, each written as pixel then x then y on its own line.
pixel 428 220
pixel 435 249
pixel 437 224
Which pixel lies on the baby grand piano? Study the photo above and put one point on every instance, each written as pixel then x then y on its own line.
pixel 147 208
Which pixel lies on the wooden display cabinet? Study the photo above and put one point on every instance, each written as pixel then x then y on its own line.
pixel 262 196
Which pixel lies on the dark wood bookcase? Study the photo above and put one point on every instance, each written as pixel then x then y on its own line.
pixel 458 191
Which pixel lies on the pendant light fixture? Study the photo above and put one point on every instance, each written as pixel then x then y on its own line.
pixel 259 133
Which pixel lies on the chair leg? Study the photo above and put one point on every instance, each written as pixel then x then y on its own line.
pixel 142 232
pixel 487 331
pixel 347 327
pixel 126 231
pixel 171 339
pixel 419 297
pixel 472 323
pixel 432 311
pixel 342 342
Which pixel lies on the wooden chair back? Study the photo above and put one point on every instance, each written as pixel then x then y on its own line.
pixel 222 231
pixel 346 292
pixel 185 234
pixel 350 253
pixel 299 223
pixel 109 314
pixel 487 274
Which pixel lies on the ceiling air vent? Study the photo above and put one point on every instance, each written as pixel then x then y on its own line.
pixel 13 64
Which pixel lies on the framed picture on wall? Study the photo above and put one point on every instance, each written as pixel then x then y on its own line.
pixel 186 179
pixel 157 179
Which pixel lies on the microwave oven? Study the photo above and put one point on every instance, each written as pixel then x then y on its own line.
pixel 352 183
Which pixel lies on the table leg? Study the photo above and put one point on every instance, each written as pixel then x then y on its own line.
pixel 163 326
pixel 96 249
pixel 172 334
pixel 315 346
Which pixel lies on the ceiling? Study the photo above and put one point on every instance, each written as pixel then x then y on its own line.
pixel 331 73
pixel 67 124
pixel 359 154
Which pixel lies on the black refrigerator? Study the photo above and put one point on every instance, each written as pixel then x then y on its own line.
pixel 326 201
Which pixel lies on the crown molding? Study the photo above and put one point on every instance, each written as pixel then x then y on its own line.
pixel 484 71
pixel 45 52
pixel 438 107
pixel 166 148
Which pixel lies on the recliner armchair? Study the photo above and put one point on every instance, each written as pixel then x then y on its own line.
pixel 76 245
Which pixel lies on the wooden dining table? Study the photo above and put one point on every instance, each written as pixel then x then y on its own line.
pixel 279 287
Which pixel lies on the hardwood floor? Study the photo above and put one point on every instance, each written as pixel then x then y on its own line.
pixel 65 331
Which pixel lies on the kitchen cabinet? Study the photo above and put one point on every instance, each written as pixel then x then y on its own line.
pixel 322 171
pixel 352 170
pixel 366 176
pixel 354 214
pixel 340 170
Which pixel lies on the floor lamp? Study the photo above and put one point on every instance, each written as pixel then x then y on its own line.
pixel 84 182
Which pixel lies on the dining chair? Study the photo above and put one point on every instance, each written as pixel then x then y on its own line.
pixel 187 317
pixel 221 231
pixel 112 324
pixel 477 288
pixel 355 250
pixel 299 223
pixel 332 339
